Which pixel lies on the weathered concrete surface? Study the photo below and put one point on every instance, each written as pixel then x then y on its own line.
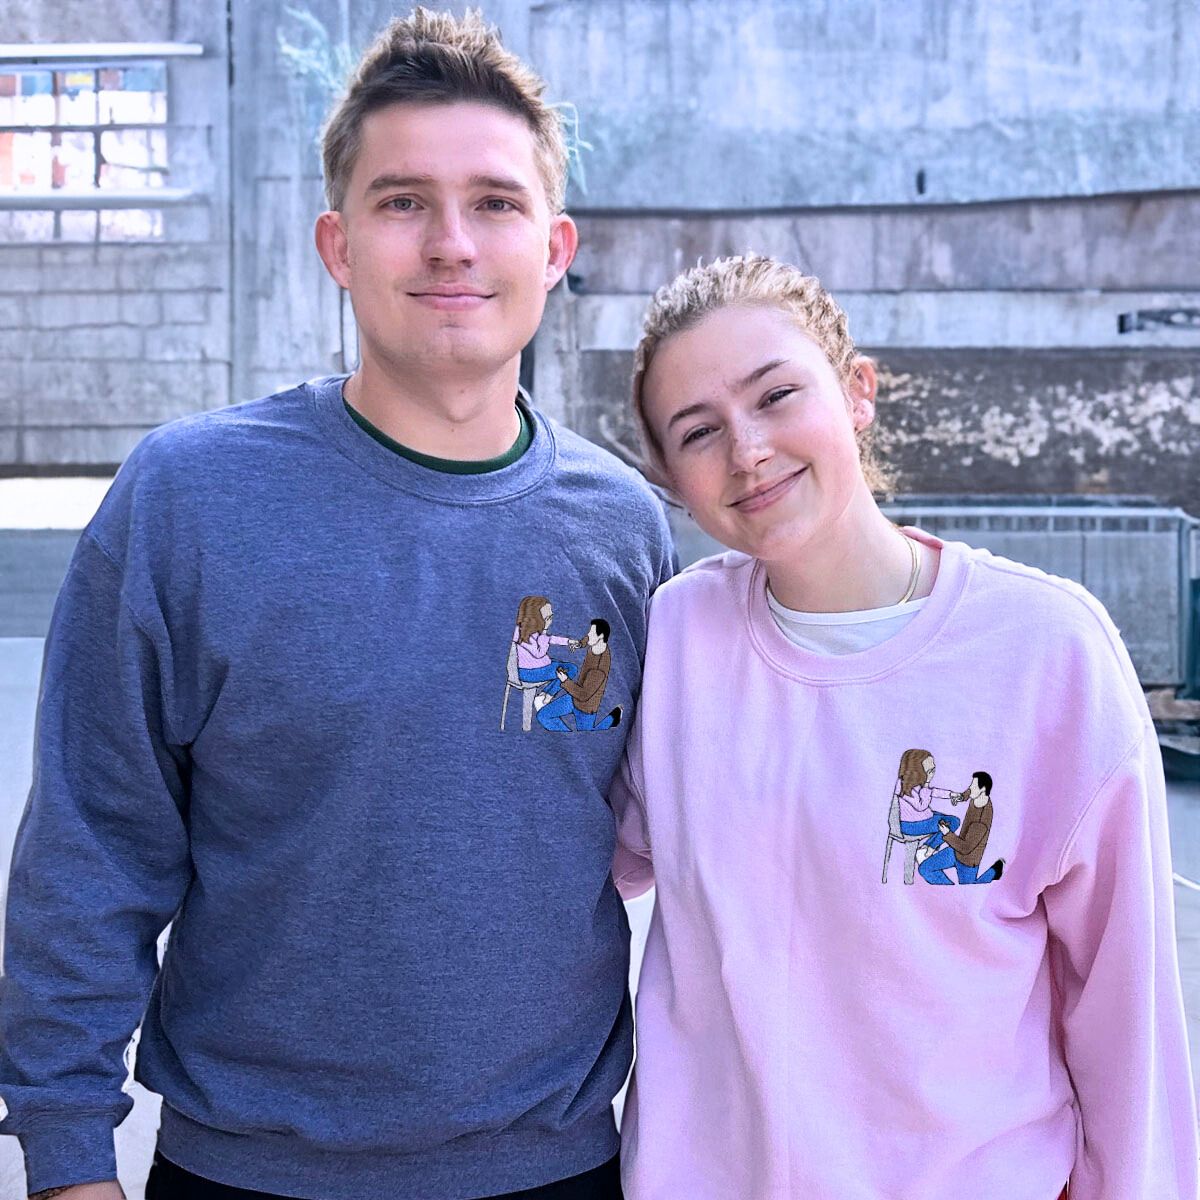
pixel 999 422
pixel 1145 242
pixel 701 104
pixel 950 319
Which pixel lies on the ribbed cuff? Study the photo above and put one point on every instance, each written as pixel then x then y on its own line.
pixel 59 1155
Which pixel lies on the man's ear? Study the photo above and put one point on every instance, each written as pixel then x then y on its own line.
pixel 564 242
pixel 334 246
pixel 863 384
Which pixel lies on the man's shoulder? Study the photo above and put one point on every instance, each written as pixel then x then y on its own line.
pixel 212 431
pixel 198 461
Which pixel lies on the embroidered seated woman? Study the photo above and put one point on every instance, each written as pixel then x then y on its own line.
pixel 533 638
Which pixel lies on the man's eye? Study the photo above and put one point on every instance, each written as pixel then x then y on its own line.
pixel 498 204
pixel 402 204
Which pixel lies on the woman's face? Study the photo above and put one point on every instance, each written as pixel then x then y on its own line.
pixel 928 766
pixel 757 435
pixel 547 616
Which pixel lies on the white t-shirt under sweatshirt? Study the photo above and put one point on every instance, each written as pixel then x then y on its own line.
pixel 821 1015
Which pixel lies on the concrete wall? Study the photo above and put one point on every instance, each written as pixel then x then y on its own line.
pixel 100 342
pixel 793 127
pixel 995 327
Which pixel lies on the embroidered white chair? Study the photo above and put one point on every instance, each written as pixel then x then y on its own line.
pixel 910 842
pixel 527 690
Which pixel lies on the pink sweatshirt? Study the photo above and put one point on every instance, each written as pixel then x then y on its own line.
pixel 532 652
pixel 807 1030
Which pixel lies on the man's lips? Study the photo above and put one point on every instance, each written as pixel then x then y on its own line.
pixel 766 494
pixel 451 299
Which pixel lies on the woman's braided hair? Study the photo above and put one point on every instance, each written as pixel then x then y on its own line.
pixel 747 279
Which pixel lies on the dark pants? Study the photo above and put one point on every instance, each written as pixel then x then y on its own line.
pixel 169 1182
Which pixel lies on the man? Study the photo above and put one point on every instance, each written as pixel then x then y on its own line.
pixel 965 849
pixel 581 697
pixel 398 966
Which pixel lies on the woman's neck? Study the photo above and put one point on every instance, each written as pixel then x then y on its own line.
pixel 857 563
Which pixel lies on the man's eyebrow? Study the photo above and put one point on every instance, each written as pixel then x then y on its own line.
pixel 383 182
pixel 501 183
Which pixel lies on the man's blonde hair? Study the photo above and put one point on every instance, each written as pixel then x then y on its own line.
pixel 748 279
pixel 437 58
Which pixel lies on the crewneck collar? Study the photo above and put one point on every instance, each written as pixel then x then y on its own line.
pixel 506 483
pixel 783 655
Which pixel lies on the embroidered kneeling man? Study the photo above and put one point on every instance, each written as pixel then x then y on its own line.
pixel 965 849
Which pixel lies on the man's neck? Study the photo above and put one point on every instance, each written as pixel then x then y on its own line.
pixel 465 418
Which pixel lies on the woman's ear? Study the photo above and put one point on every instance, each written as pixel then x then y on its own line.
pixel 863 384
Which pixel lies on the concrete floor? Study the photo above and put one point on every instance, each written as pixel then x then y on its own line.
pixel 20 660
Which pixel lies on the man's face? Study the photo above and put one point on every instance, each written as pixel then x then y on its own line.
pixel 593 637
pixel 974 791
pixel 445 241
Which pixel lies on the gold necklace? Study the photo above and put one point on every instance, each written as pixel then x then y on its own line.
pixel 916 568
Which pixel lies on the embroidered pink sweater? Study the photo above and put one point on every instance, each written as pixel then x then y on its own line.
pixel 533 652
pixel 805 1028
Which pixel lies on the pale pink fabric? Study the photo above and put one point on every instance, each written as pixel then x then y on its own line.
pixel 805 1030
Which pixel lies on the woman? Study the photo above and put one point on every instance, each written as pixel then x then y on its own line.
pixel 804 1029
pixel 533 641
pixel 914 795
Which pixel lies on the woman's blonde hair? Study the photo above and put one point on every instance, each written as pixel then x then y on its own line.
pixel 748 279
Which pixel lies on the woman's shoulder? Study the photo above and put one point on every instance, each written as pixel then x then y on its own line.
pixel 1049 620
pixel 1004 583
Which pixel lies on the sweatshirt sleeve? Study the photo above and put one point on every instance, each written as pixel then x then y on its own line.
pixel 1112 937
pixel 99 867
pixel 632 870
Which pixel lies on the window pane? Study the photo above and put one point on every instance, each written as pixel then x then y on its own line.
pixel 133 158
pixel 34 102
pixel 131 225
pixel 133 95
pixel 74 164
pixel 78 226
pixel 32 156
pixel 76 97
pixel 26 226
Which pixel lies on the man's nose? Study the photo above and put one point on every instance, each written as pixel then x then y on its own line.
pixel 448 239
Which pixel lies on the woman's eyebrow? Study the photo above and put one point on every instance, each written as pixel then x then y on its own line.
pixel 758 373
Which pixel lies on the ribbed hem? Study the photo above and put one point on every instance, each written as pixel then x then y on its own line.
pixel 485 1164
pixel 59 1155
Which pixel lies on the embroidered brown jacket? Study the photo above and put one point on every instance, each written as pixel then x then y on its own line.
pixel 587 690
pixel 970 841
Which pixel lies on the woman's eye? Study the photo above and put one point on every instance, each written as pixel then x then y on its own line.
pixel 777 395
pixel 694 435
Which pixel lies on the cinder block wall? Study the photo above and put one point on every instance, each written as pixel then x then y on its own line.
pixel 100 342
